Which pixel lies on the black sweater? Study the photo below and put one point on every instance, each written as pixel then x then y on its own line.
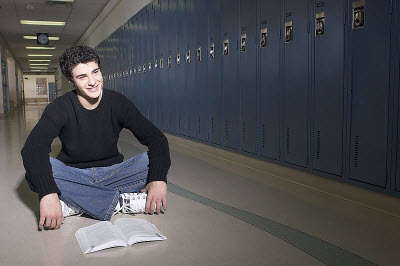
pixel 89 138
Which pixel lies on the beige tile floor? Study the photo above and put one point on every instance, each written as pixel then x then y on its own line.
pixel 362 223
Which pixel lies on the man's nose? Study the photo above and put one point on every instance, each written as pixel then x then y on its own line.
pixel 91 80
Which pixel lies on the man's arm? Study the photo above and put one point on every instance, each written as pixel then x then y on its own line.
pixel 50 212
pixel 156 196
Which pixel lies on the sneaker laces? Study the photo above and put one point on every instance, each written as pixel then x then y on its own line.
pixel 131 203
pixel 68 210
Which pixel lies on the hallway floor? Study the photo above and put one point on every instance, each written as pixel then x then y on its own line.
pixel 223 209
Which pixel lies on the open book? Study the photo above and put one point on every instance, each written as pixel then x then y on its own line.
pixel 124 232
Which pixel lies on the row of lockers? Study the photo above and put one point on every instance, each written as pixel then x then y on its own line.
pixel 304 83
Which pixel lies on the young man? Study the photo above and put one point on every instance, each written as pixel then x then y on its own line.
pixel 89 174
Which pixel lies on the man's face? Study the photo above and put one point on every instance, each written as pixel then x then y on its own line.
pixel 88 80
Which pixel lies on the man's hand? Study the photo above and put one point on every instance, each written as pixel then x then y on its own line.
pixel 156 195
pixel 50 212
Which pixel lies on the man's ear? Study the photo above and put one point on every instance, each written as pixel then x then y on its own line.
pixel 71 82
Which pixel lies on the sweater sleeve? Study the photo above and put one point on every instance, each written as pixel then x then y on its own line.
pixel 149 135
pixel 35 154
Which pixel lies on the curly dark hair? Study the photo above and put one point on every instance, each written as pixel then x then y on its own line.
pixel 73 56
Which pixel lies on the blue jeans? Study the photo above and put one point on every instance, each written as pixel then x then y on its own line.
pixel 95 191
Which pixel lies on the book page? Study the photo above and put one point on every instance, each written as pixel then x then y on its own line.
pixel 99 236
pixel 138 230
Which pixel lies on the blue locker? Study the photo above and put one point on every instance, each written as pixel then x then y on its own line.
pixel 150 60
pixel 155 62
pixel 214 83
pixel 136 87
pixel 141 71
pixel 369 45
pixel 397 87
pixel 145 70
pixel 247 74
pixel 180 64
pixel 131 59
pixel 171 66
pixel 230 92
pixel 189 117
pixel 296 82
pixel 201 89
pixel 270 99
pixel 328 112
pixel 163 67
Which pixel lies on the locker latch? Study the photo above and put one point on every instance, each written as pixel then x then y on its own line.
pixel 320 23
pixel 144 68
pixel 130 72
pixel 149 66
pixel 263 39
pixel 243 42
pixel 134 71
pixel 169 61
pixel 140 69
pixel 155 64
pixel 161 63
pixel 188 56
pixel 178 59
pixel 212 50
pixel 358 14
pixel 226 47
pixel 288 31
pixel 198 54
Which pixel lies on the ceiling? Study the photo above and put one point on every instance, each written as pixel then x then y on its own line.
pixel 78 17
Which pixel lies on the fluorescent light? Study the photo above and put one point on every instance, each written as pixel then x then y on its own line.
pixel 39 60
pixel 45 55
pixel 36 70
pixel 42 23
pixel 33 67
pixel 66 1
pixel 38 64
pixel 35 37
pixel 41 47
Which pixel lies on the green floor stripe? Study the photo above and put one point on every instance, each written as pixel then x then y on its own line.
pixel 321 250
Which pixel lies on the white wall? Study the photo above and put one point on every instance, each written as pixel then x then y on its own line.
pixel 20 85
pixel 12 83
pixel 1 85
pixel 30 85
pixel 114 15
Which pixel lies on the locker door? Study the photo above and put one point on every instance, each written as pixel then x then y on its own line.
pixel 231 106
pixel 214 70
pixel 180 64
pixel 189 60
pixel 328 31
pixel 248 75
pixel 397 69
pixel 269 76
pixel 369 48
pixel 200 52
pixel 164 114
pixel 135 61
pixel 150 61
pixel 157 89
pixel 296 84
pixel 131 59
pixel 145 65
pixel 171 66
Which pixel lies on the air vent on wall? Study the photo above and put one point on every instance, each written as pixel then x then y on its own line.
pixel 287 140
pixel 263 135
pixel 318 144
pixel 356 144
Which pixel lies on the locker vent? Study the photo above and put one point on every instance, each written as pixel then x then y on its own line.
pixel 226 128
pixel 356 151
pixel 263 135
pixel 212 126
pixel 244 132
pixel 318 144
pixel 287 140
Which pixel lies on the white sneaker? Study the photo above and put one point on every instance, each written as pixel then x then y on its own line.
pixel 131 203
pixel 68 210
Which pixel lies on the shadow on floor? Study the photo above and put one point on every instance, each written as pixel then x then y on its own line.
pixel 29 198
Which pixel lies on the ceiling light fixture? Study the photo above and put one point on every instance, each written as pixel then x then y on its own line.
pixel 45 55
pixel 65 1
pixel 42 23
pixel 33 67
pixel 38 64
pixel 35 37
pixel 41 47
pixel 39 60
